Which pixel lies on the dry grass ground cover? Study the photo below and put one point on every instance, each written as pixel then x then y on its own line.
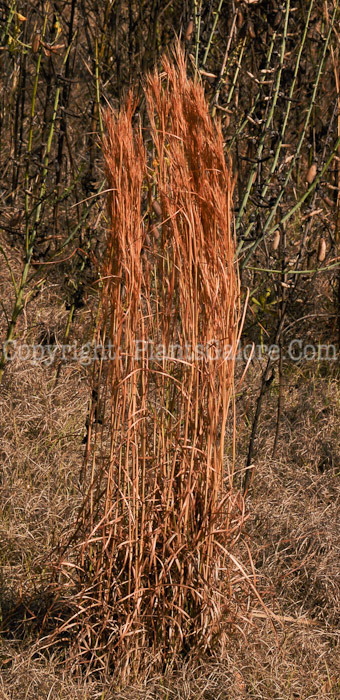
pixel 293 534
pixel 292 531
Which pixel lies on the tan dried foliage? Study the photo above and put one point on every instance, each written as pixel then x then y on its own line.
pixel 276 240
pixel 310 177
pixel 322 250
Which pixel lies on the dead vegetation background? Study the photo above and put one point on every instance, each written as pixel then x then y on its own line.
pixel 60 62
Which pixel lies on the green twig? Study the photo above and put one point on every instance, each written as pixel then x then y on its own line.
pixel 217 14
pixel 197 21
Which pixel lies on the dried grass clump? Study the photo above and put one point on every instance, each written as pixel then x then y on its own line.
pixel 155 536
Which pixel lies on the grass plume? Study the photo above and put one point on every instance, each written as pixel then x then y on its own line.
pixel 154 535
